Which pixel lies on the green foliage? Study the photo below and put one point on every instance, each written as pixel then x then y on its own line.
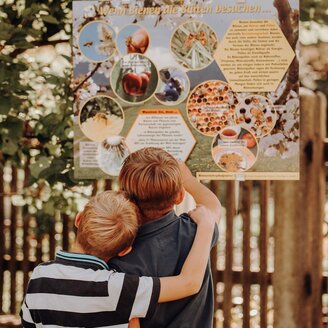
pixel 36 122
pixel 314 10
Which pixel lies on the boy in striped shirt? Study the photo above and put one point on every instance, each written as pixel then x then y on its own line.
pixel 77 289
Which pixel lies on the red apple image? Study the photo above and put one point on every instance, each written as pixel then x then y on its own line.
pixel 145 79
pixel 135 84
pixel 147 73
pixel 250 139
pixel 132 83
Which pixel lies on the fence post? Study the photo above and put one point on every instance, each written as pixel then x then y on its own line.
pixel 2 237
pixel 227 275
pixel 263 245
pixel 246 215
pixel 13 245
pixel 215 187
pixel 298 227
pixel 317 222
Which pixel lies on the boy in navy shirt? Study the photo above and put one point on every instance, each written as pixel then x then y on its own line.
pixel 156 182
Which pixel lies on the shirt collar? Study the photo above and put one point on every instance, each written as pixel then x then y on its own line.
pixel 157 224
pixel 84 258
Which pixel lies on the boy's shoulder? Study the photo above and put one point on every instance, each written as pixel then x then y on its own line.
pixel 186 222
pixel 189 227
pixel 170 222
pixel 43 265
pixel 64 269
pixel 187 218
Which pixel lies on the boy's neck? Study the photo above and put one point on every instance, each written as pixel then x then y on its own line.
pixel 152 215
pixel 77 248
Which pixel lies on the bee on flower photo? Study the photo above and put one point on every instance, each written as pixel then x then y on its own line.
pixel 97 41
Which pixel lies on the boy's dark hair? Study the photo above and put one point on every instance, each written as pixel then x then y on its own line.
pixel 152 178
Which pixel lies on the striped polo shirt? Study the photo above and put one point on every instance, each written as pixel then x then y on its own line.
pixel 79 290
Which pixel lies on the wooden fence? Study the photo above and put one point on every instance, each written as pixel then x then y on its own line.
pixel 288 214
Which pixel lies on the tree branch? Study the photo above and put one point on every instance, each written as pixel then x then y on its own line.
pixel 86 78
pixel 40 43
pixel 285 14
pixel 292 78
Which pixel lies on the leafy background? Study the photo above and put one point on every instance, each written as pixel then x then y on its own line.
pixel 36 122
pixel 36 119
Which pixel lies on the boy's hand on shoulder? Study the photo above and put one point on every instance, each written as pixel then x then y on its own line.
pixel 202 216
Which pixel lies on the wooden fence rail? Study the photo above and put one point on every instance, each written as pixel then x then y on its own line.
pixel 247 263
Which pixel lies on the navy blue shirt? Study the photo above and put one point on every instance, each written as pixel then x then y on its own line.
pixel 160 250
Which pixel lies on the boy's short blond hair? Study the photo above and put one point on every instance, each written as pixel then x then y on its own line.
pixel 152 178
pixel 108 224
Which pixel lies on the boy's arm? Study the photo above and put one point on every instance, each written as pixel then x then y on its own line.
pixel 199 192
pixel 146 292
pixel 190 280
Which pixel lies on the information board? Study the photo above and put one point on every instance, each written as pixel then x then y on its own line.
pixel 214 82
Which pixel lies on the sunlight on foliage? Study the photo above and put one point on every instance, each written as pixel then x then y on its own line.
pixel 36 103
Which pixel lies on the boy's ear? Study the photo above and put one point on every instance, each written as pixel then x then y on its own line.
pixel 77 220
pixel 180 197
pixel 125 251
